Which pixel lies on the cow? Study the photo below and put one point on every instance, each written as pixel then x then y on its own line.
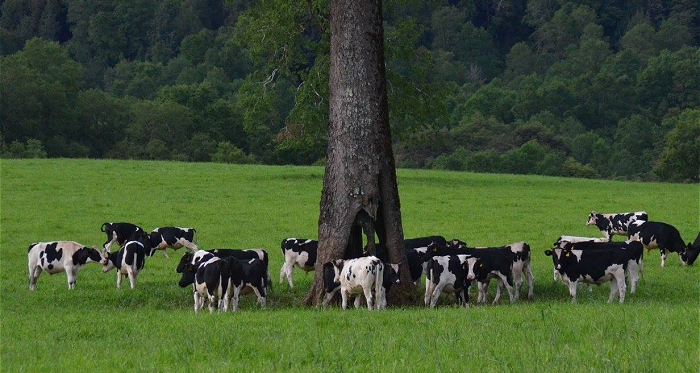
pixel 390 278
pixel 693 250
pixel 447 273
pixel 217 280
pixel 129 261
pixel 254 271
pixel 300 253
pixel 173 237
pixel 506 263
pixel 355 276
pixel 59 256
pixel 615 224
pixel 563 240
pixel 236 253
pixel 635 265
pixel 658 235
pixel 595 267
pixel 123 232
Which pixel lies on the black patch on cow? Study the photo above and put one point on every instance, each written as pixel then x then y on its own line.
pixel 50 254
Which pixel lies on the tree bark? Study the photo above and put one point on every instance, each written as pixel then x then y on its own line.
pixel 360 193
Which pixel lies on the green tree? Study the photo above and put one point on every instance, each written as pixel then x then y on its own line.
pixel 680 158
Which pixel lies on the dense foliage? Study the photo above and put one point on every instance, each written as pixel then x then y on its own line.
pixel 586 88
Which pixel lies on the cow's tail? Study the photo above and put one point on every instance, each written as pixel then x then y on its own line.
pixel 103 227
pixel 195 237
pixel 378 280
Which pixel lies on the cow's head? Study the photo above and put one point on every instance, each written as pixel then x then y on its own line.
pixel 470 269
pixel 592 218
pixel 457 244
pixel 187 278
pixel 108 260
pixel 391 274
pixel 186 259
pixel 690 254
pixel 337 267
pixel 555 254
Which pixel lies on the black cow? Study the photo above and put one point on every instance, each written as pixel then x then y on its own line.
pixel 447 273
pixel 129 261
pixel 173 237
pixel 657 235
pixel 610 224
pixel 123 232
pixel 297 252
pixel 595 267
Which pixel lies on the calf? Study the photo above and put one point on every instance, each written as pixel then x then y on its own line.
pixel 506 263
pixel 657 235
pixel 563 240
pixel 635 264
pixel 611 224
pixel 173 237
pixel 219 281
pixel 129 261
pixel 254 272
pixel 390 278
pixel 123 232
pixel 59 256
pixel 447 273
pixel 595 267
pixel 355 276
pixel 236 253
pixel 300 253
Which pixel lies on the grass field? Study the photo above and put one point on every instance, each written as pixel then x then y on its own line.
pixel 98 328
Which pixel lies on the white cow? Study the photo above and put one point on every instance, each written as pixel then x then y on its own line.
pixel 357 276
pixel 59 256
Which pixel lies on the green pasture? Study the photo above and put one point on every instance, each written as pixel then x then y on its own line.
pixel 98 328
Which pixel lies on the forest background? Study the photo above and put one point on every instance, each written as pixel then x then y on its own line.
pixel 595 89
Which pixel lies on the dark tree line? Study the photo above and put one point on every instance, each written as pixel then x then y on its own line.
pixel 595 88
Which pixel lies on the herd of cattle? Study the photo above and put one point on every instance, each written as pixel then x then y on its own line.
pixel 220 276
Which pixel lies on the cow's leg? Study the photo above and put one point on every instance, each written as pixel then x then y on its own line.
pixel 235 298
pixel 358 298
pixel 119 278
pixel 108 244
pixel 572 290
pixel 437 290
pixel 499 288
pixel 165 252
pixel 70 274
pixel 344 295
pixel 663 257
pixel 369 296
pixel 211 302
pixel 482 296
pixel 530 282
pixel 429 287
pixel 34 272
pixel 132 277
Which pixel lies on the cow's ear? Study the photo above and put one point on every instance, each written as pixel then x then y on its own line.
pixel 548 252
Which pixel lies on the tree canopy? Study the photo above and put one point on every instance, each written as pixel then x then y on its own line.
pixel 603 89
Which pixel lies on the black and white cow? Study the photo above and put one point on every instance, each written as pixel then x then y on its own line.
pixel 354 277
pixel 391 278
pixel 59 256
pixel 508 264
pixel 658 235
pixel 219 281
pixel 300 253
pixel 447 273
pixel 635 265
pixel 254 271
pixel 563 240
pixel 595 267
pixel 123 232
pixel 173 237
pixel 611 224
pixel 240 254
pixel 129 261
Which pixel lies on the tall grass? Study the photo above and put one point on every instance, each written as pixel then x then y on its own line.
pixel 153 327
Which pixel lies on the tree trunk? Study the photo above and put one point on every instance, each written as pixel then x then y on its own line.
pixel 360 192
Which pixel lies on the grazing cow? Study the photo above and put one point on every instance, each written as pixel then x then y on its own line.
pixel 300 253
pixel 129 261
pixel 506 263
pixel 123 232
pixel 59 256
pixel 595 267
pixel 447 273
pixel 611 224
pixel 657 235
pixel 254 271
pixel 693 250
pixel 355 276
pixel 391 277
pixel 173 237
